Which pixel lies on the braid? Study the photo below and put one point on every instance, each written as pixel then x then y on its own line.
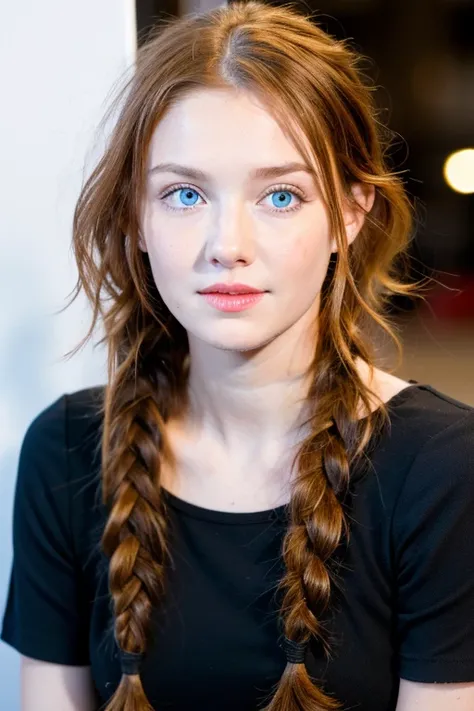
pixel 134 538
pixel 327 462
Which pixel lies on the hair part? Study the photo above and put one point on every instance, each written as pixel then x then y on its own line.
pixel 313 86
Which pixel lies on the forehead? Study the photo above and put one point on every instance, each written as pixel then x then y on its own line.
pixel 222 128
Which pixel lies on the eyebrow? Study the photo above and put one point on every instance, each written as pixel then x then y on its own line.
pixel 259 173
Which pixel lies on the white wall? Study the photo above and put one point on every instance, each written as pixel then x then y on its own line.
pixel 58 62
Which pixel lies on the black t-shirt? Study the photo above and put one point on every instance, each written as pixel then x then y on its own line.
pixel 405 607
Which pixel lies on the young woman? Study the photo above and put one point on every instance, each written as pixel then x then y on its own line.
pixel 249 514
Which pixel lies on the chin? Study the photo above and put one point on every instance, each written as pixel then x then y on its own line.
pixel 243 341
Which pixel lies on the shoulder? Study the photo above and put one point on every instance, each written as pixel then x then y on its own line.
pixel 71 410
pixel 442 430
pixel 431 404
pixel 420 417
pixel 61 441
pixel 418 411
pixel 58 485
pixel 68 419
pixel 427 444
pixel 56 528
pixel 433 435
pixel 84 419
pixel 421 413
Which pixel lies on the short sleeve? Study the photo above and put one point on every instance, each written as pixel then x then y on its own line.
pixel 42 618
pixel 433 534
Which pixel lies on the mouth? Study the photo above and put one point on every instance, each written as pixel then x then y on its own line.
pixel 232 302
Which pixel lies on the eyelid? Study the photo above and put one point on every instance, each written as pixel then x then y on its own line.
pixel 286 186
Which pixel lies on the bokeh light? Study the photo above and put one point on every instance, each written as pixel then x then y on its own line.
pixel 459 171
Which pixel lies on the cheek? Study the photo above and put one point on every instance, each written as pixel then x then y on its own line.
pixel 168 257
pixel 169 253
pixel 306 262
pixel 169 272
pixel 171 259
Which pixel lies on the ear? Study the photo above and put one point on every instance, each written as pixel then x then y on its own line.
pixel 141 243
pixel 354 215
pixel 125 231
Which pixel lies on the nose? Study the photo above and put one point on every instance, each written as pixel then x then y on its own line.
pixel 230 240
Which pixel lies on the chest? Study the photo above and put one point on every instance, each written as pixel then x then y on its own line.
pixel 210 478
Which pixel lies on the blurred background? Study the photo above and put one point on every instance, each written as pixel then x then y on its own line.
pixel 59 67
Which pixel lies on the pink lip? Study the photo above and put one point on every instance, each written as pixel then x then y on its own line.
pixel 233 302
pixel 230 289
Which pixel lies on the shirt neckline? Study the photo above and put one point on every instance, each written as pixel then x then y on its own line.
pixel 279 512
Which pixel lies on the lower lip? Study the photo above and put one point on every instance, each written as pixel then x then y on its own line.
pixel 233 302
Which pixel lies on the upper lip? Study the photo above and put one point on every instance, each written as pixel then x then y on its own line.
pixel 231 289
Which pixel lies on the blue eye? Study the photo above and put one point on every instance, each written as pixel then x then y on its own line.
pixel 279 194
pixel 188 195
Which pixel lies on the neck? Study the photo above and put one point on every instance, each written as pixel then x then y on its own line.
pixel 244 400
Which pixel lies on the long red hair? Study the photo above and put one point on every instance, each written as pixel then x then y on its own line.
pixel 314 83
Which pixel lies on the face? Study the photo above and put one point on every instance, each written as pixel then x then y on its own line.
pixel 232 225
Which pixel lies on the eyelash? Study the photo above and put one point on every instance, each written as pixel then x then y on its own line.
pixel 278 188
